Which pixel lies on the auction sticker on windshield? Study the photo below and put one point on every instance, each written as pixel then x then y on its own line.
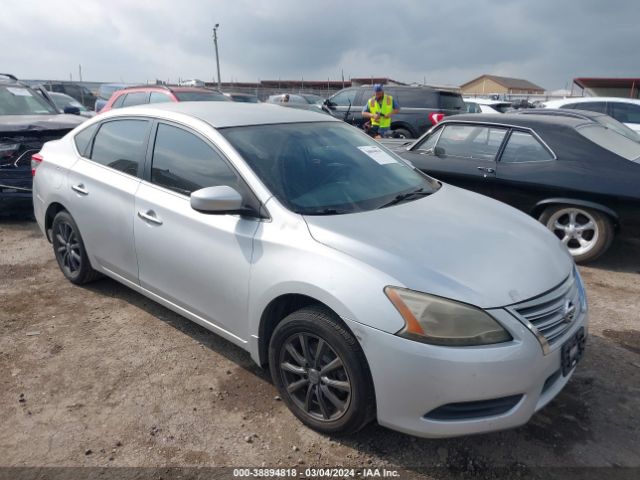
pixel 377 154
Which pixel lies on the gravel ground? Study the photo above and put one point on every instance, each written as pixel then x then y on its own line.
pixel 101 376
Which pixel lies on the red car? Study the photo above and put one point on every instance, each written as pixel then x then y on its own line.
pixel 127 97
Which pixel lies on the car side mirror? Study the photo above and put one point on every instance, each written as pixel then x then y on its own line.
pixel 329 104
pixel 438 151
pixel 72 110
pixel 221 199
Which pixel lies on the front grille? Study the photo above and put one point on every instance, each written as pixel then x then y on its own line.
pixel 474 410
pixel 551 315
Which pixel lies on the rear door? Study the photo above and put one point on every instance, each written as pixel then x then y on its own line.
pixel 197 261
pixel 103 184
pixel 461 154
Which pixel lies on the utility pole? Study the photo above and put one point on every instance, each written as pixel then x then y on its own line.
pixel 215 42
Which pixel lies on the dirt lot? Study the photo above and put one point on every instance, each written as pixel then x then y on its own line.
pixel 101 376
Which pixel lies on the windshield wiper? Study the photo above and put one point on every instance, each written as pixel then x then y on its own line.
pixel 324 211
pixel 403 197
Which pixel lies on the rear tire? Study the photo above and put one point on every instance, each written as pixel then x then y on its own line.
pixel 586 233
pixel 331 392
pixel 69 250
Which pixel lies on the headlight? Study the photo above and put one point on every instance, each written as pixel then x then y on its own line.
pixel 582 293
pixel 439 321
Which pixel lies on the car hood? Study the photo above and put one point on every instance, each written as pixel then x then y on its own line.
pixel 455 244
pixel 18 123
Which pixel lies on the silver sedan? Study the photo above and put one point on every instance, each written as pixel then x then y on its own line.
pixel 370 290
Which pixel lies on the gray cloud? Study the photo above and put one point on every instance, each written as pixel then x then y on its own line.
pixel 547 41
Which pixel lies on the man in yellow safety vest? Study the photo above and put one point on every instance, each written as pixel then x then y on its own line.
pixel 378 110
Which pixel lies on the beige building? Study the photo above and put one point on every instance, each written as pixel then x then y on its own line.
pixel 490 84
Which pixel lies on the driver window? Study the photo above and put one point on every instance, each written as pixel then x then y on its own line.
pixel 429 142
pixel 470 141
pixel 342 99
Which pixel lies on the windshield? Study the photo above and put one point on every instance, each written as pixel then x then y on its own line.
pixel 326 168
pixel 105 91
pixel 612 141
pixel 64 101
pixel 313 99
pixel 200 97
pixel 23 101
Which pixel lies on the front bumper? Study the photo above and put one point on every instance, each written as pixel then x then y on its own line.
pixel 412 379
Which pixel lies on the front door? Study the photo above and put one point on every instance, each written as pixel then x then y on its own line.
pixel 197 261
pixel 460 154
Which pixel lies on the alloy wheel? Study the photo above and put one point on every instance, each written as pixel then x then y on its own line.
pixel 315 377
pixel 68 248
pixel 576 229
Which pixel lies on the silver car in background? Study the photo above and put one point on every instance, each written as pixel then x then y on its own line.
pixel 371 290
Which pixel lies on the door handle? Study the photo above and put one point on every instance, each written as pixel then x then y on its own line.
pixel 150 216
pixel 487 169
pixel 80 189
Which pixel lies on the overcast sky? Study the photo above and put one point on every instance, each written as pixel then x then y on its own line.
pixel 548 42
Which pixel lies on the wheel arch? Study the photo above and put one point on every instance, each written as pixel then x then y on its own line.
pixel 277 310
pixel 52 210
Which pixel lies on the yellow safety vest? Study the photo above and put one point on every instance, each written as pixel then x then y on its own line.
pixel 385 109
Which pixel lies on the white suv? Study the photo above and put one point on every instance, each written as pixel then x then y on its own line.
pixel 625 110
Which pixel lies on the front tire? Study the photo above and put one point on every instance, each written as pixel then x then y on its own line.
pixel 401 133
pixel 321 372
pixel 586 233
pixel 69 250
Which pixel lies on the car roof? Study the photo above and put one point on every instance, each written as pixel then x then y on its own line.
pixel 561 112
pixel 165 88
pixel 526 121
pixel 227 114
pixel 566 101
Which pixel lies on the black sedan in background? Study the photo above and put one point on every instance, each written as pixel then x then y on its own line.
pixel 575 174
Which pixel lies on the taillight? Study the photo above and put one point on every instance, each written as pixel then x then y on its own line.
pixel 436 117
pixel 36 160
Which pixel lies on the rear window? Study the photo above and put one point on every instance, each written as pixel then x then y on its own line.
pixel 612 141
pixel 137 98
pixel 451 101
pixel 121 145
pixel 200 97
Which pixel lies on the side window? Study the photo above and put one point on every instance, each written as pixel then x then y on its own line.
pixel 417 98
pixel 470 141
pixel 119 101
pixel 342 99
pixel 524 147
pixel 83 139
pixel 625 112
pixel 182 162
pixel 600 107
pixel 121 144
pixel 472 107
pixel 429 142
pixel 137 98
pixel 157 97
